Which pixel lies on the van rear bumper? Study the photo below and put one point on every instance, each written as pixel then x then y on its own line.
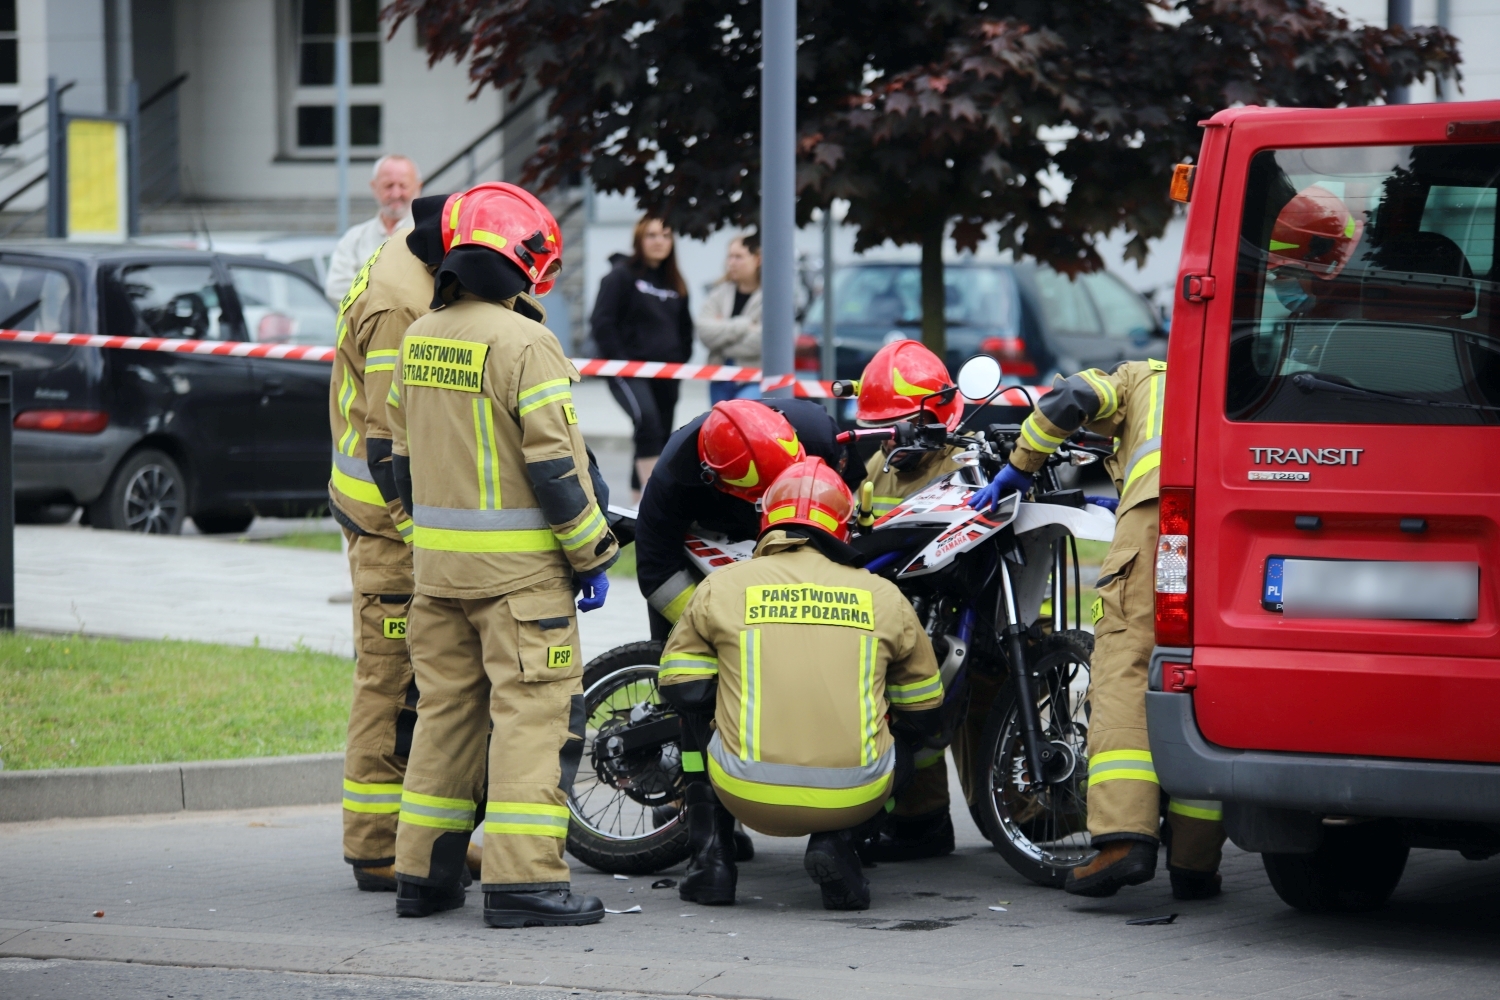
pixel 1190 767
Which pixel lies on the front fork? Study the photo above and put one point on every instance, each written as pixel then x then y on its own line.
pixel 1039 750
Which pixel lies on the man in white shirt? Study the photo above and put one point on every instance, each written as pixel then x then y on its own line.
pixel 396 182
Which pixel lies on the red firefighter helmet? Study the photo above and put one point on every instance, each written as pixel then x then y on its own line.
pixel 811 494
pixel 896 381
pixel 529 236
pixel 1316 232
pixel 744 446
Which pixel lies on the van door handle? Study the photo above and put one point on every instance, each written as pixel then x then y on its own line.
pixel 1197 287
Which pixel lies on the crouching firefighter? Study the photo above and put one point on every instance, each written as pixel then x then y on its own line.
pixel 787 666
pixel 506 528
pixel 390 292
pixel 1124 797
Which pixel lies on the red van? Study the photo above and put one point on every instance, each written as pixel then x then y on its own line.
pixel 1328 617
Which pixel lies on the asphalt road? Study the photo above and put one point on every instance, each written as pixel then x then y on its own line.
pixel 191 898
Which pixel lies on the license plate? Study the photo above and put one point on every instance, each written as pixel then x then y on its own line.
pixel 1348 588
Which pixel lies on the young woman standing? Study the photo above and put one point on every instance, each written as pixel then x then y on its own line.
pixel 641 314
pixel 729 324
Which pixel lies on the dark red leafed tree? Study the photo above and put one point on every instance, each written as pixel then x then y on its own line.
pixel 1043 123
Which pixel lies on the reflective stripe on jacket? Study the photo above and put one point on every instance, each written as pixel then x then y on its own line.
pixel 390 291
pixel 809 656
pixel 482 404
pixel 1126 404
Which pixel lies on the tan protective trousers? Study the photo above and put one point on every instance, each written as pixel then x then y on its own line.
pixel 1124 796
pixel 928 789
pixel 382 714
pixel 513 661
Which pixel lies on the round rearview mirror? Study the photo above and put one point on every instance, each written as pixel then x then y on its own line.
pixel 979 377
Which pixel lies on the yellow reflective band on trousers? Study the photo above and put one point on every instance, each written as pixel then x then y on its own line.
pixel 926 757
pixel 1038 439
pixel 487 460
pixel 381 361
pixel 349 439
pixel 1197 809
pixel 363 798
pixel 750 694
pixel 526 819
pixel 691 665
pixel 911 694
pixel 436 812
pixel 558 390
pixel 869 717
pixel 1109 400
pixel 405 528
pixel 591 528
pixel 1118 765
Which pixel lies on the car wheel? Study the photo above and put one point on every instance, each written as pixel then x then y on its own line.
pixel 147 494
pixel 1355 869
pixel 223 522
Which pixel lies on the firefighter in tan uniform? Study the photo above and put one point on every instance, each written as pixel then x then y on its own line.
pixel 391 290
pixel 798 656
pixel 902 382
pixel 1124 797
pixel 491 463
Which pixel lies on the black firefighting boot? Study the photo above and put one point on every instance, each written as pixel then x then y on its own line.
pixel 417 900
pixel 1119 863
pixel 744 847
pixel 473 863
pixel 711 873
pixel 1188 884
pixel 543 908
pixel 832 863
pixel 909 838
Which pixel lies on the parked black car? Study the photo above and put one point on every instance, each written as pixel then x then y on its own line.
pixel 142 439
pixel 1035 321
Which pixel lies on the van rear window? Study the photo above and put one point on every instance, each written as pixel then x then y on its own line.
pixel 1365 287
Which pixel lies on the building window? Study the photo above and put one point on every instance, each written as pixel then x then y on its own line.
pixel 316 24
pixel 10 65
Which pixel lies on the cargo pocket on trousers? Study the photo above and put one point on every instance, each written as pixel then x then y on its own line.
pixel 547 636
pixel 383 623
pixel 1108 614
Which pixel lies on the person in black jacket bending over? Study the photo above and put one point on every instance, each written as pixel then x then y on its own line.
pixel 688 490
pixel 641 314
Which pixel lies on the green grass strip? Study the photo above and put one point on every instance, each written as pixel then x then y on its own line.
pixel 72 701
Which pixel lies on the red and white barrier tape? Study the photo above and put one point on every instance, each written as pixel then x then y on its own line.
pixel 602 367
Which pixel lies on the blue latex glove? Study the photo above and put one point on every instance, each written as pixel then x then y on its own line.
pixel 1010 480
pixel 1108 503
pixel 595 589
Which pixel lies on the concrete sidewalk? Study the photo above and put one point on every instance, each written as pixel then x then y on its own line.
pixel 216 589
pixel 267 890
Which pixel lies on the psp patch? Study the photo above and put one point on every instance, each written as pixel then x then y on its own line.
pixel 559 657
pixel 809 604
pixel 1096 610
pixel 443 364
pixel 570 414
pixel 393 628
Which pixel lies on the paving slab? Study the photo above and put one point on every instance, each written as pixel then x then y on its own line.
pixel 266 890
pixel 210 589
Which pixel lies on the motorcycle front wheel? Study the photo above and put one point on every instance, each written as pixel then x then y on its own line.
pixel 1041 834
pixel 626 807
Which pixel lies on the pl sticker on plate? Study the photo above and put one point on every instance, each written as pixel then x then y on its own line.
pixel 1270 597
pixel 1259 476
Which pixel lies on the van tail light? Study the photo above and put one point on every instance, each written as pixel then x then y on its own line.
pixel 1010 352
pixel 809 354
pixel 1174 564
pixel 63 421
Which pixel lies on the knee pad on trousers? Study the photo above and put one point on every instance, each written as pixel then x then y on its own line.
pixel 448 860
pixel 571 754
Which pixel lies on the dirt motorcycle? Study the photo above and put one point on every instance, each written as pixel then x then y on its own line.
pixel 981 582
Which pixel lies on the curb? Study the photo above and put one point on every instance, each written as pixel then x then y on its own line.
pixel 255 782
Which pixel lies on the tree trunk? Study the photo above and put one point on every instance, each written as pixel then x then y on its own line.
pixel 934 296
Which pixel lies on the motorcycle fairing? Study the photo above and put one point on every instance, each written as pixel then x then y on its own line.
pixel 709 551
